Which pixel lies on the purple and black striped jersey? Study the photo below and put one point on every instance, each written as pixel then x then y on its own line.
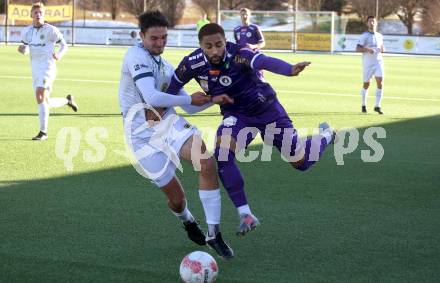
pixel 250 34
pixel 235 77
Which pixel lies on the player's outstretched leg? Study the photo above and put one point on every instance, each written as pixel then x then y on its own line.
pixel 194 151
pixel 233 182
pixel 315 146
pixel 248 222
pixel 71 103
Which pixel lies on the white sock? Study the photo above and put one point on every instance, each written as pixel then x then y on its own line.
pixel 364 94
pixel 244 209
pixel 212 205
pixel 55 102
pixel 185 215
pixel 43 114
pixel 378 97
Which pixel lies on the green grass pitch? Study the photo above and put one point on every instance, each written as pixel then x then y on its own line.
pixel 102 222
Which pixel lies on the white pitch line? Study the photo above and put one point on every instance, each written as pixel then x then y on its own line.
pixel 278 90
pixel 61 79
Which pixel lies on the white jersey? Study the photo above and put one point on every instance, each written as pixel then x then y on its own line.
pixel 41 42
pixel 139 63
pixel 374 41
pixel 41 45
pixel 156 148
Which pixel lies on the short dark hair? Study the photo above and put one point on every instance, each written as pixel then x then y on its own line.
pixel 209 29
pixel 152 19
pixel 370 17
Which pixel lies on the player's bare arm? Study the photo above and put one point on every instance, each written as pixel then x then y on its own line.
pixel 199 98
pixel 299 67
pixel 360 48
pixel 22 48
pixel 222 99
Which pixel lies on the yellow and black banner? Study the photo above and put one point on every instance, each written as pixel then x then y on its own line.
pixel 54 13
pixel 278 40
pixel 314 41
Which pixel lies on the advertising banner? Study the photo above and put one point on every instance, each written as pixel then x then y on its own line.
pixel 314 41
pixel 54 13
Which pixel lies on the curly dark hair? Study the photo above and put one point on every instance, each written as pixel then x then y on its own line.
pixel 152 19
pixel 209 29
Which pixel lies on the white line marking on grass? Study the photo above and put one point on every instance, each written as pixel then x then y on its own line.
pixel 278 90
pixel 357 96
pixel 61 79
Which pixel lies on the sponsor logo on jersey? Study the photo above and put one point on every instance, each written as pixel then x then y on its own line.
pixel 241 60
pixel 203 77
pixel 214 72
pixel 225 81
pixel 137 67
pixel 195 56
pixel 201 63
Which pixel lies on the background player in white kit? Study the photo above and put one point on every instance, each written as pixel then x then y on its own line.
pixel 159 138
pixel 371 45
pixel 39 39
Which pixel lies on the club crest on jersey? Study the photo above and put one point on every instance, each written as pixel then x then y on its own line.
pixel 225 81
pixel 42 36
pixel 248 34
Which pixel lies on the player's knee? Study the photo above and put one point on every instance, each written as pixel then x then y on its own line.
pixel 40 95
pixel 366 85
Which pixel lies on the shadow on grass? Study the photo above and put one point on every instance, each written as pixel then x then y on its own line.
pixel 357 222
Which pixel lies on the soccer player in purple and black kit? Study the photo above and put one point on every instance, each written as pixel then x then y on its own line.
pixel 222 67
pixel 248 34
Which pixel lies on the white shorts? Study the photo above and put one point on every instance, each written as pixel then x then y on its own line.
pixel 158 157
pixel 43 76
pixel 376 70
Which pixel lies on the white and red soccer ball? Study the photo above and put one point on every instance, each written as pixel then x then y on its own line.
pixel 198 267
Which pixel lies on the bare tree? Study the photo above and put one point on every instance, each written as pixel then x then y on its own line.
pixel 408 10
pixel 431 17
pixel 365 8
pixel 136 7
pixel 173 10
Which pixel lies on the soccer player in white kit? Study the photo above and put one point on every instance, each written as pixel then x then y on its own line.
pixel 371 46
pixel 39 39
pixel 159 138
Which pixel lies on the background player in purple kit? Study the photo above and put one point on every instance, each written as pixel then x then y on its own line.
pixel 248 34
pixel 222 67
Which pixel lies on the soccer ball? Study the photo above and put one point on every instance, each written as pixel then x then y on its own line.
pixel 198 267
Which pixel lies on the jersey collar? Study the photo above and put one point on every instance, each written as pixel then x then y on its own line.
pixel 158 60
